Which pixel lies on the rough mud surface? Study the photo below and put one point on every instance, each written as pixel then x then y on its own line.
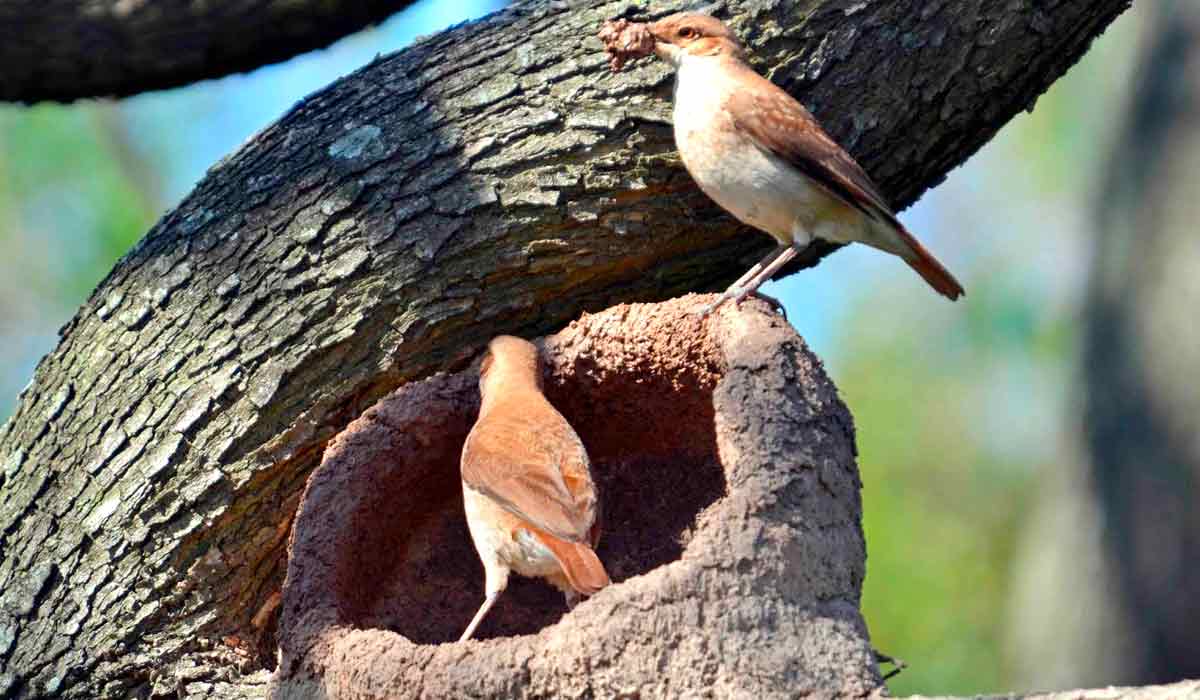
pixel 731 520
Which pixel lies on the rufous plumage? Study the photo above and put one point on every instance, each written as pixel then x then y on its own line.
pixel 530 500
pixel 761 155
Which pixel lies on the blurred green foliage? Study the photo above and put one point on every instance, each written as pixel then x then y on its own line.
pixel 941 510
pixel 960 412
pixel 68 187
pixel 71 203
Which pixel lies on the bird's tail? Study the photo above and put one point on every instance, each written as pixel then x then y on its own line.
pixel 579 563
pixel 927 266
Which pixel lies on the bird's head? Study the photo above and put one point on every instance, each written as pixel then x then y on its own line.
pixel 693 34
pixel 509 361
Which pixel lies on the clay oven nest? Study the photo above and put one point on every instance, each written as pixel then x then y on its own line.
pixel 731 516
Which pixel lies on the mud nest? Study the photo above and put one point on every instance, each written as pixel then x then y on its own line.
pixel 731 511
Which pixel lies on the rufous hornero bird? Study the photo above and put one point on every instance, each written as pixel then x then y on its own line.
pixel 528 493
pixel 762 156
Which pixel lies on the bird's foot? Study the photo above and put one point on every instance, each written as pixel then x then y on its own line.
pixel 706 310
pixel 737 295
pixel 897 665
pixel 775 303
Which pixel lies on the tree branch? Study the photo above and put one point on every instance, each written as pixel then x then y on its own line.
pixel 63 50
pixel 493 178
pixel 1184 689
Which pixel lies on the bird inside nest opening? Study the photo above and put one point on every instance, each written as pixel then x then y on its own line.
pixel 654 461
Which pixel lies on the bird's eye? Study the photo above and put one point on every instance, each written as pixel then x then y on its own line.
pixel 688 33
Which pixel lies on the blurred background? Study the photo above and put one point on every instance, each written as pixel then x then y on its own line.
pixel 1030 454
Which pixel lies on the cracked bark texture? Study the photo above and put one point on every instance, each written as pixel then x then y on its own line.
pixel 730 497
pixel 492 178
pixel 67 49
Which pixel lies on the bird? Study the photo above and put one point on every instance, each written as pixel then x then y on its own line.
pixel 530 501
pixel 759 154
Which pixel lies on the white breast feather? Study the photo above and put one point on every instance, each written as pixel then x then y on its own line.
pixel 756 186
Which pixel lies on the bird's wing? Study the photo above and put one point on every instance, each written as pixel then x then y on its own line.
pixel 533 465
pixel 778 123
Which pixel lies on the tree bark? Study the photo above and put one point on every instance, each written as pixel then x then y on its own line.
pixel 1189 689
pixel 64 50
pixel 493 178
pixel 1142 353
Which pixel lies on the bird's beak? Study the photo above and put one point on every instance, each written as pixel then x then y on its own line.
pixel 664 49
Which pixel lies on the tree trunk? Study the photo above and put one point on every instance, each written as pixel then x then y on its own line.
pixel 64 50
pixel 493 178
pixel 1142 353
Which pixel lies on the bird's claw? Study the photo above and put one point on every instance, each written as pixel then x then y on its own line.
pixel 737 296
pixel 707 309
pixel 897 664
pixel 775 303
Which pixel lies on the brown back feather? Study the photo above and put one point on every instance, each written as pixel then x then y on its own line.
pixel 525 456
pixel 780 124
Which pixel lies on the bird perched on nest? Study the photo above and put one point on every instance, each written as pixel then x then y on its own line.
pixel 759 154
pixel 528 492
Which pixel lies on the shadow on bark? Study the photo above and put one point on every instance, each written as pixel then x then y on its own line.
pixel 732 529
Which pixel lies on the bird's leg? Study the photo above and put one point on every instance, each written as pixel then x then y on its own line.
pixel 573 598
pixel 483 610
pixel 765 274
pixel 495 583
pixel 570 595
pixel 765 269
pixel 754 269
pixel 734 288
